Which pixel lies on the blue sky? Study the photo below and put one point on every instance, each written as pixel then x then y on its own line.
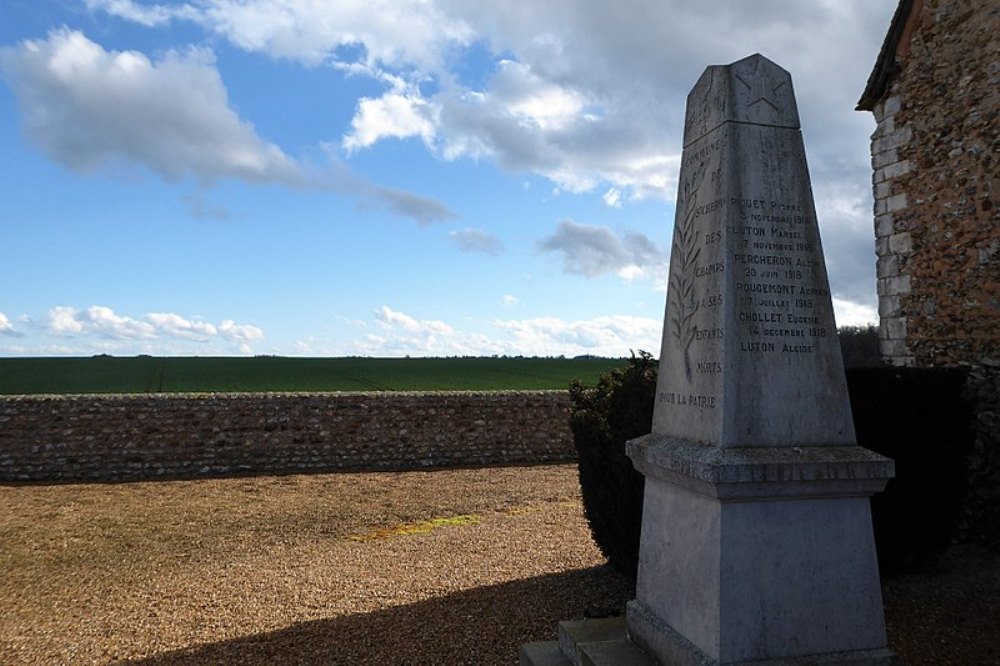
pixel 422 177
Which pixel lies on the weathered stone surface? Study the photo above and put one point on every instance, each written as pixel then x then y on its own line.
pixel 542 653
pixel 756 540
pixel 587 642
pixel 982 506
pixel 761 472
pixel 940 118
pixel 112 438
pixel 749 324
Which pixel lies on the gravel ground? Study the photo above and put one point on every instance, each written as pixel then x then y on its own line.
pixel 452 566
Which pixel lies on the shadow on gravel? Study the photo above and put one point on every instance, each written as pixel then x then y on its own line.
pixel 480 626
pixel 951 616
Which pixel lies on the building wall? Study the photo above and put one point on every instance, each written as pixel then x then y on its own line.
pixel 937 214
pixel 114 438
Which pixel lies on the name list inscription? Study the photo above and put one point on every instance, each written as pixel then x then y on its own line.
pixel 776 272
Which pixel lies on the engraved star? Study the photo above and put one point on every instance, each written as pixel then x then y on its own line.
pixel 761 87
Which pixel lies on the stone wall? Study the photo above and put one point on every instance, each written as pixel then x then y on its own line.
pixel 937 214
pixel 982 504
pixel 115 438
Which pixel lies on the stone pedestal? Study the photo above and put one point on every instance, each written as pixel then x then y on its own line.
pixel 752 555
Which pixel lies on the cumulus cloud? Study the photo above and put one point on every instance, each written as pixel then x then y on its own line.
pixel 582 93
pixel 476 240
pixel 398 33
pixel 613 198
pixel 87 107
pixel 612 336
pixel 400 334
pixel 392 115
pixel 101 322
pixel 589 95
pixel 591 251
pixel 230 330
pixel 149 16
pixel 390 318
pixel 175 325
pixel 6 328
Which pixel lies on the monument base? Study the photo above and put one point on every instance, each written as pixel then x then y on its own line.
pixel 654 636
pixel 758 555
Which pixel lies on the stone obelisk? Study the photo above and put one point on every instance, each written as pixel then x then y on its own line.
pixel 756 540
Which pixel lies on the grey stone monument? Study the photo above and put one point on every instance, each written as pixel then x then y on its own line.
pixel 756 539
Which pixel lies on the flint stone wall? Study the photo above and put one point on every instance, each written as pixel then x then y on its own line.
pixel 982 504
pixel 130 437
pixel 937 213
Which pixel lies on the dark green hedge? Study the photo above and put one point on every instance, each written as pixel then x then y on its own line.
pixel 603 418
pixel 918 417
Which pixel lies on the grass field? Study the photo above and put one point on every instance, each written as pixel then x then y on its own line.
pixel 147 374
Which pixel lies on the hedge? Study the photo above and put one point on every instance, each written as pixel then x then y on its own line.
pixel 918 417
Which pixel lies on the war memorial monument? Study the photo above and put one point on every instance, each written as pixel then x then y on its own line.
pixel 757 543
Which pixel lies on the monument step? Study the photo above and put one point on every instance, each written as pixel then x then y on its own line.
pixel 575 633
pixel 588 642
pixel 544 653
pixel 621 652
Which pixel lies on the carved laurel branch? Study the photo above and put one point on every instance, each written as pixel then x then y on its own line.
pixel 686 250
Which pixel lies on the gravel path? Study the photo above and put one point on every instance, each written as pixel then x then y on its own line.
pixel 452 566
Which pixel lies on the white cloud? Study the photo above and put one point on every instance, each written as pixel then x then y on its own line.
pixel 400 334
pixel 391 32
pixel 63 321
pixel 588 95
pixel 612 336
pixel 86 107
pixel 98 323
pixel 582 93
pixel 244 333
pixel 174 325
pixel 149 16
pixel 104 322
pixel 476 240
pixel 613 198
pixel 510 300
pixel 848 313
pixel 6 328
pixel 390 319
pixel 591 251
pixel 392 115
pixel 533 101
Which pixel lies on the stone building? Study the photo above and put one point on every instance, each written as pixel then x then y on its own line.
pixel 935 94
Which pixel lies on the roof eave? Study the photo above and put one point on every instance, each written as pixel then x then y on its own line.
pixel 885 65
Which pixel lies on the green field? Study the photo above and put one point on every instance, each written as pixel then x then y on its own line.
pixel 146 374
